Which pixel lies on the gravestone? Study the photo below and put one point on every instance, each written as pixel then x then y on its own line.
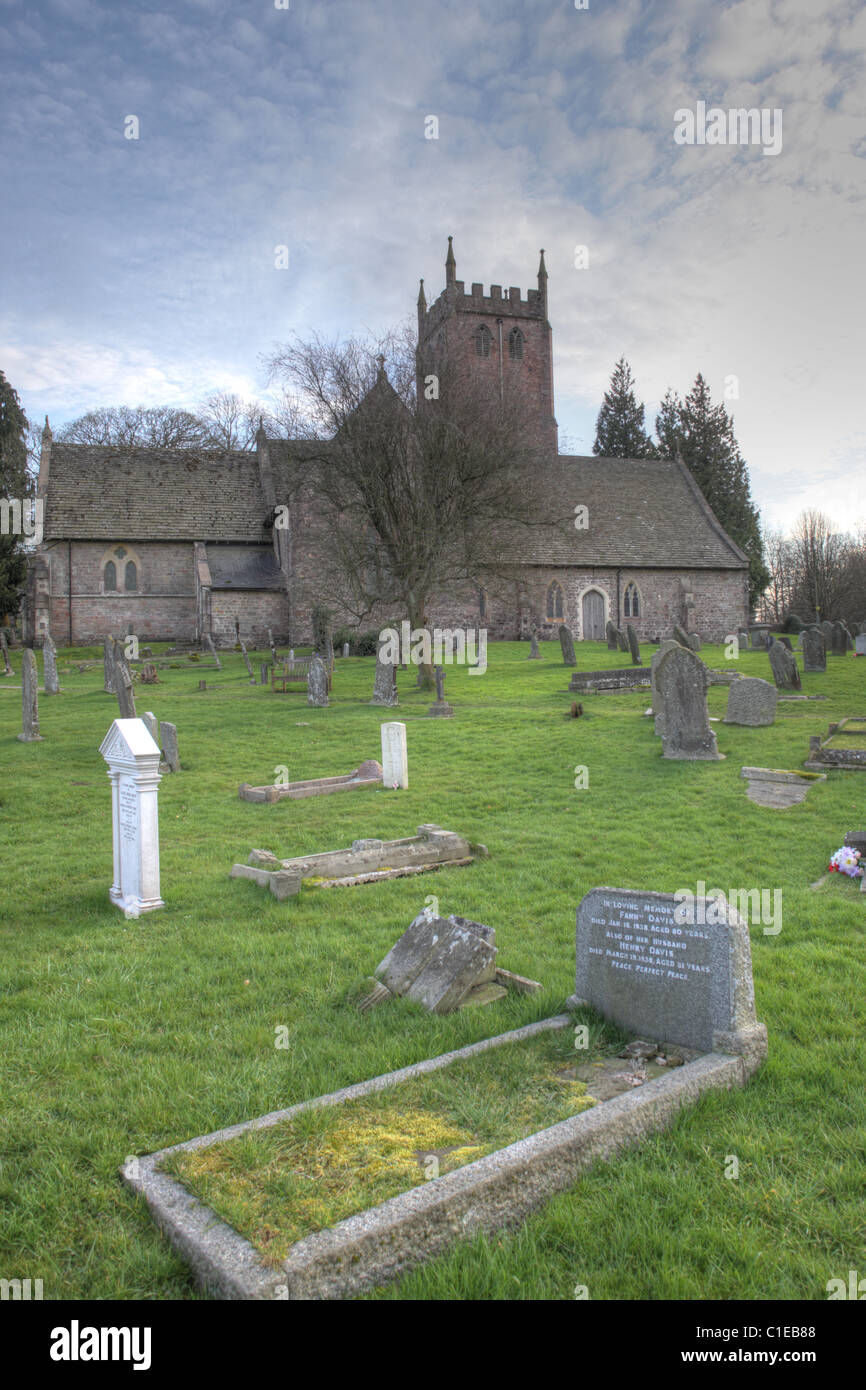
pixel 667 645
pixel 681 636
pixel 670 967
pixel 247 663
pixel 860 644
pixel 385 680
pixel 395 766
pixel 621 640
pixel 633 646
pixel 784 667
pixel 148 674
pixel 317 683
pixel 345 650
pixel 168 739
pixel 784 641
pixel 49 667
pixel 681 678
pixel 152 725
pixel 442 963
pixel 29 699
pixel 695 641
pixel 751 702
pixel 759 640
pixel 123 685
pixel 441 709
pixel 213 651
pixel 814 650
pixel 7 669
pixel 133 768
pixel 534 653
pixel 263 672
pixel 610 633
pixel 742 639
pixel 827 628
pixel 566 641
pixel 108 667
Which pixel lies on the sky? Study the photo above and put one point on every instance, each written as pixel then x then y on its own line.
pixel 144 270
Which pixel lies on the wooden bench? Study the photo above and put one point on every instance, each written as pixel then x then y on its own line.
pixel 295 672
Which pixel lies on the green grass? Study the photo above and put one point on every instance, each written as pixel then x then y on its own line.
pixel 120 1037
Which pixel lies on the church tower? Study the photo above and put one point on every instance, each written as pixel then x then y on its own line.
pixel 501 342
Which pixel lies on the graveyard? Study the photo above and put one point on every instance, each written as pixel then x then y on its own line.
pixel 123 1036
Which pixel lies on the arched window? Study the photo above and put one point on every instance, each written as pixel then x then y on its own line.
pixel 515 345
pixel 109 576
pixel 482 341
pixel 631 603
pixel 131 577
pixel 555 604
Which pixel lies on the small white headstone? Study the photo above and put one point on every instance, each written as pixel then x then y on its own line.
pixel 395 767
pixel 133 767
pixel 860 644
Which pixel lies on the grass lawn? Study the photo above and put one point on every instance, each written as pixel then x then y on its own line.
pixel 120 1037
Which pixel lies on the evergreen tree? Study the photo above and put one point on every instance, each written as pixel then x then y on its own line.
pixel 619 429
pixel 14 485
pixel 703 436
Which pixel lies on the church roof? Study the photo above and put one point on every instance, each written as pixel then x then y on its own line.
pixel 643 513
pixel 243 567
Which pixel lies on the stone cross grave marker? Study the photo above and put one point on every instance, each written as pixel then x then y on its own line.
pixel 49 667
pixel 681 680
pixel 133 768
pixel 566 641
pixel 395 766
pixel 29 699
pixel 669 967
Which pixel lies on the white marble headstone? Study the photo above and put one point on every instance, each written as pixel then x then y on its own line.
pixel 395 767
pixel 133 768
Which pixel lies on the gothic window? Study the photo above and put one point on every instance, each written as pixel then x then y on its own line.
pixel 555 604
pixel 109 576
pixel 131 580
pixel 631 603
pixel 515 345
pixel 482 341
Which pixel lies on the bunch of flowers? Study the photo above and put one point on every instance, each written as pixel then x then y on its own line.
pixel 846 861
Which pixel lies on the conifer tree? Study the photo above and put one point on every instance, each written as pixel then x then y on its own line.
pixel 14 486
pixel 619 429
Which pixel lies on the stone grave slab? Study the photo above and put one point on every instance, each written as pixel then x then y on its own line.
pixel 843 749
pixel 776 787
pixel 369 774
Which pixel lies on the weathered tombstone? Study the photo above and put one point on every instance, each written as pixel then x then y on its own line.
pixel 672 967
pixel 860 644
pixel 657 706
pixel 759 639
pixel 123 685
pixel 621 640
pixel 534 653
pixel 317 683
pixel 213 651
pixel 742 639
pixel 784 667
pixel 148 674
pixel 7 669
pixel 345 650
pixel 385 681
pixel 442 963
pixel 681 636
pixel 566 641
pixel 441 709
pixel 814 650
pixel 633 646
pixel 695 641
pixel 263 672
pixel 168 739
pixel 785 641
pixel 395 766
pixel 681 678
pixel 247 662
pixel 133 767
pixel 108 667
pixel 152 725
pixel 610 633
pixel 49 667
pixel 827 628
pixel 751 702
pixel 29 699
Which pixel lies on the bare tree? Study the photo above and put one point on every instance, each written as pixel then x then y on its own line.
pixel 416 496
pixel 155 427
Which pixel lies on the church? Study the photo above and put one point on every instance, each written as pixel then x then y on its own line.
pixel 181 544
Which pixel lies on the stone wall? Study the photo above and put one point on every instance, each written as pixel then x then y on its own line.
pixel 163 608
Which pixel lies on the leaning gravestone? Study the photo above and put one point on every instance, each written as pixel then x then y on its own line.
pixel 670 967
pixel 133 767
pixel 442 963
pixel 751 702
pixel 395 766
pixel 633 646
pixel 213 651
pixel 784 667
pixel 168 739
pixel 566 641
pixel 385 681
pixel 49 667
pixel 814 650
pixel 784 641
pixel 667 645
pixel 621 640
pixel 534 653
pixel 681 678
pixel 610 633
pixel 123 685
pixel 152 725
pixel 108 667
pixel 317 683
pixel 29 699
pixel 247 663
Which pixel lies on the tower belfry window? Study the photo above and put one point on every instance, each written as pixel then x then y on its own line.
pixel 515 345
pixel 482 341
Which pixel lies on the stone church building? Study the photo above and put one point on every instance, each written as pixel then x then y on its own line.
pixel 178 544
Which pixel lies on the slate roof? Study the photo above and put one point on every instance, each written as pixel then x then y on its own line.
pixel 103 492
pixel 243 567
